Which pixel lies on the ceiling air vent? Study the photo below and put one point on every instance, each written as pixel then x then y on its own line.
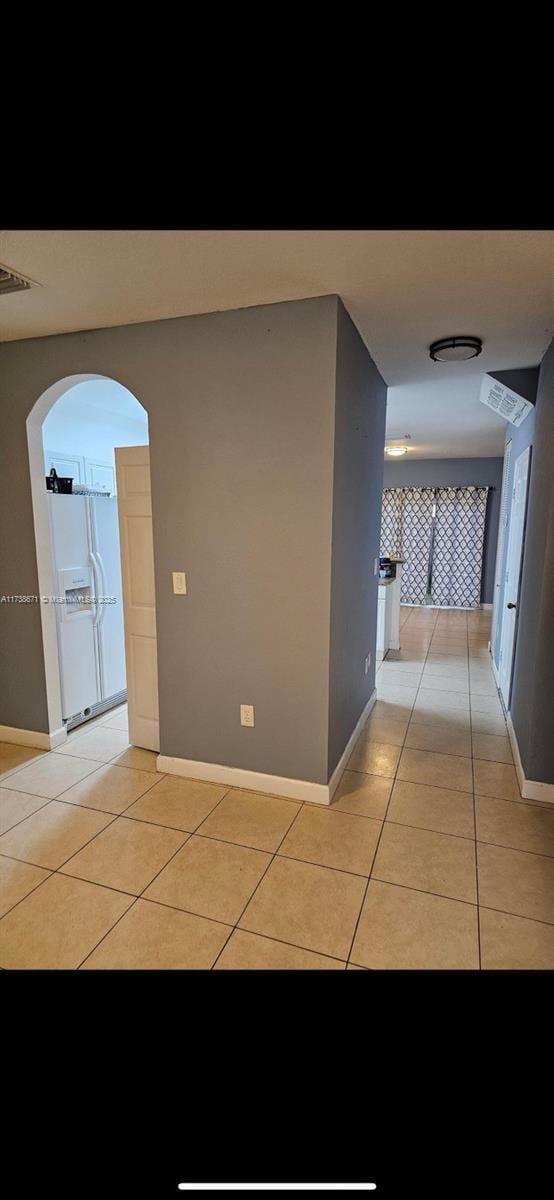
pixel 10 282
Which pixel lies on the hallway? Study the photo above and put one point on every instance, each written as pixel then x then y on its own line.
pixel 427 858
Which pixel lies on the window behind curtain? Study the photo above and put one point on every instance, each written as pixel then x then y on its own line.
pixel 406 533
pixel 458 546
pixel 457 557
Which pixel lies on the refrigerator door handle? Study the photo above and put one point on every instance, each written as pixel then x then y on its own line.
pixel 94 565
pixel 102 607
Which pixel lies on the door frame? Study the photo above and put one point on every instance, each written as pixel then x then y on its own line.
pixel 505 671
pixel 501 546
pixel 136 504
pixel 43 548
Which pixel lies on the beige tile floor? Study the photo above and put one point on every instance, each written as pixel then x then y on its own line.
pixel 428 857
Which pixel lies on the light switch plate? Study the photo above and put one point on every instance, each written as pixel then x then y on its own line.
pixel 179 583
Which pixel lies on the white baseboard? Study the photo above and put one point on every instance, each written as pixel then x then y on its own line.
pixel 58 737
pixel 32 738
pixel 256 781
pixel 494 668
pixel 253 781
pixel 529 788
pixel 341 765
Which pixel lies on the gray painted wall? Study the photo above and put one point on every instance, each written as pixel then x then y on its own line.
pixel 445 472
pixel 360 412
pixel 532 701
pixel 242 424
pixel 241 416
pixel 243 455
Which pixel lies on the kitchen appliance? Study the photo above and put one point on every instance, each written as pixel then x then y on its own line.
pixel 387 569
pixel 89 606
pixel 59 483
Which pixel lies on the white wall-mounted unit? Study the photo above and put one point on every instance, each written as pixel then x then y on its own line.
pixel 97 474
pixel 68 465
pixel 504 401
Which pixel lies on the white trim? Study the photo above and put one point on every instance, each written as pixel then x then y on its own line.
pixel 31 737
pixel 494 668
pixel 45 566
pixel 256 781
pixel 486 606
pixel 529 788
pixel 340 767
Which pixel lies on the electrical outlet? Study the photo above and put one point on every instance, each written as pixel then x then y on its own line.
pixel 179 583
pixel 247 715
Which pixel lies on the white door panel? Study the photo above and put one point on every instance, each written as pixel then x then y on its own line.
pixel 513 573
pixel 139 604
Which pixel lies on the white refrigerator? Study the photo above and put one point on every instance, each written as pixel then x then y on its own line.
pixel 89 607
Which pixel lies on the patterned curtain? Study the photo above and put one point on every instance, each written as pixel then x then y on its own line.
pixel 417 527
pixel 391 523
pixel 406 527
pixel 458 546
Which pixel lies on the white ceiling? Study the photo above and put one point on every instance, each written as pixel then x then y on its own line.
pixel 403 289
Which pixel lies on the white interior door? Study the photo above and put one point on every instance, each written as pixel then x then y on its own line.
pixel 502 527
pixel 513 573
pixel 139 601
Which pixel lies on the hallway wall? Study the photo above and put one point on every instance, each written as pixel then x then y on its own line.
pixel 532 702
pixel 360 414
pixel 444 472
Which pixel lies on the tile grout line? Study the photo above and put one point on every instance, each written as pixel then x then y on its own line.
pixel 174 908
pixel 373 861
pixel 27 894
pixel 276 854
pixel 262 877
pixel 151 881
pixel 136 896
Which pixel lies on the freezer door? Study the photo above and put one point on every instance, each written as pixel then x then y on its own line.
pixel 110 629
pixel 73 562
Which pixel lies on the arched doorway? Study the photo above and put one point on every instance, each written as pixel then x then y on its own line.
pixel 77 421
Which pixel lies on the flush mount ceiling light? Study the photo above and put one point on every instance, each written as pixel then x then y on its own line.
pixel 455 349
pixel 396 451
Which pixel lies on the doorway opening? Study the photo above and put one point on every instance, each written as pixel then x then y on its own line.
pixel 73 431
